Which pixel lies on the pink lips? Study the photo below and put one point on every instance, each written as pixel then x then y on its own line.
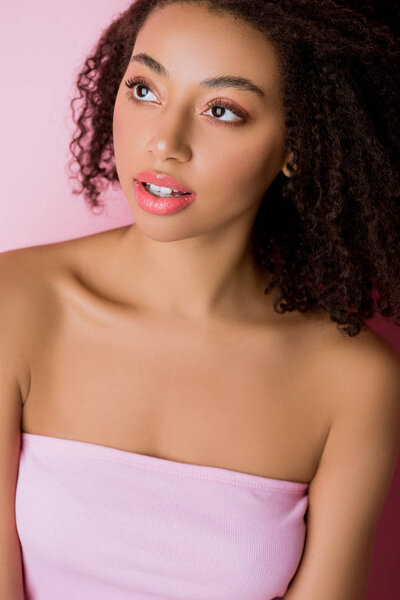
pixel 161 206
pixel 162 181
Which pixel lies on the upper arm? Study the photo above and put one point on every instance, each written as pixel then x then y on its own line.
pixel 10 392
pixel 347 493
pixel 13 380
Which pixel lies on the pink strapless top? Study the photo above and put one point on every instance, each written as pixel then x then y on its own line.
pixel 98 523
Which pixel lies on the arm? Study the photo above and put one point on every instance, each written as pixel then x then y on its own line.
pixel 354 475
pixel 11 369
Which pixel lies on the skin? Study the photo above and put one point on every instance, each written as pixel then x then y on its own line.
pixel 200 256
pixel 297 403
pixel 173 308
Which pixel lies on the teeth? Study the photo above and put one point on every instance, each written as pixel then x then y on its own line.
pixel 161 191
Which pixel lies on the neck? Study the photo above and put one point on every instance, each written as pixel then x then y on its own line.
pixel 201 277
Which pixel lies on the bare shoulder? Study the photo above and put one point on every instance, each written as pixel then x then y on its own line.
pixel 29 283
pixel 31 278
pixel 355 369
pixel 18 314
pixel 19 283
pixel 41 266
pixel 27 275
pixel 360 377
pixel 340 366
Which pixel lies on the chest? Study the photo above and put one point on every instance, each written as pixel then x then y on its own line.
pixel 226 396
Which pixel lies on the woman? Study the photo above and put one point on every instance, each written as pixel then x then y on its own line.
pixel 168 430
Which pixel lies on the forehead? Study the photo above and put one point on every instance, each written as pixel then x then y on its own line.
pixel 189 39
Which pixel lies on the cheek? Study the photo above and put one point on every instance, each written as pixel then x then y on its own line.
pixel 251 165
pixel 123 142
pixel 118 120
pixel 125 135
pixel 122 119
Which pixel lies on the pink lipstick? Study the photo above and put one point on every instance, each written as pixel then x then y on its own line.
pixel 177 199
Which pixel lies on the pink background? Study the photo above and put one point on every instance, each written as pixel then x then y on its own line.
pixel 42 46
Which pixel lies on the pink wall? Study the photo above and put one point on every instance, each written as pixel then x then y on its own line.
pixel 42 44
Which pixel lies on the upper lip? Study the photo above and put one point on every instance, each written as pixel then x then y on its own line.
pixel 162 180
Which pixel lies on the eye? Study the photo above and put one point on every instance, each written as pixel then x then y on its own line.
pixel 217 103
pixel 226 106
pixel 132 83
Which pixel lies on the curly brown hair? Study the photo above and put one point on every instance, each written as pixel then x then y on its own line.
pixel 330 233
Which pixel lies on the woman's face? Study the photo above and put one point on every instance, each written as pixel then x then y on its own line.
pixel 227 155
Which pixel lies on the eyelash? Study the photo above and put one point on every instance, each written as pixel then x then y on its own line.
pixel 131 83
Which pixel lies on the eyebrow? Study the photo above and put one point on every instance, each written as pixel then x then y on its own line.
pixel 238 83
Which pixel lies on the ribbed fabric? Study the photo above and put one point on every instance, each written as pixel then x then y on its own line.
pixel 98 523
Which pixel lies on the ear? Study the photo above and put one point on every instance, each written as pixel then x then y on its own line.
pixel 288 158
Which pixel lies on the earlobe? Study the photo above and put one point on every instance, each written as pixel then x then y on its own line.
pixel 285 169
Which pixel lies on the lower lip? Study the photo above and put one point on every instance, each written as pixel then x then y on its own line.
pixel 160 206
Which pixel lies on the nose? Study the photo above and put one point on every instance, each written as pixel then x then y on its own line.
pixel 169 139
